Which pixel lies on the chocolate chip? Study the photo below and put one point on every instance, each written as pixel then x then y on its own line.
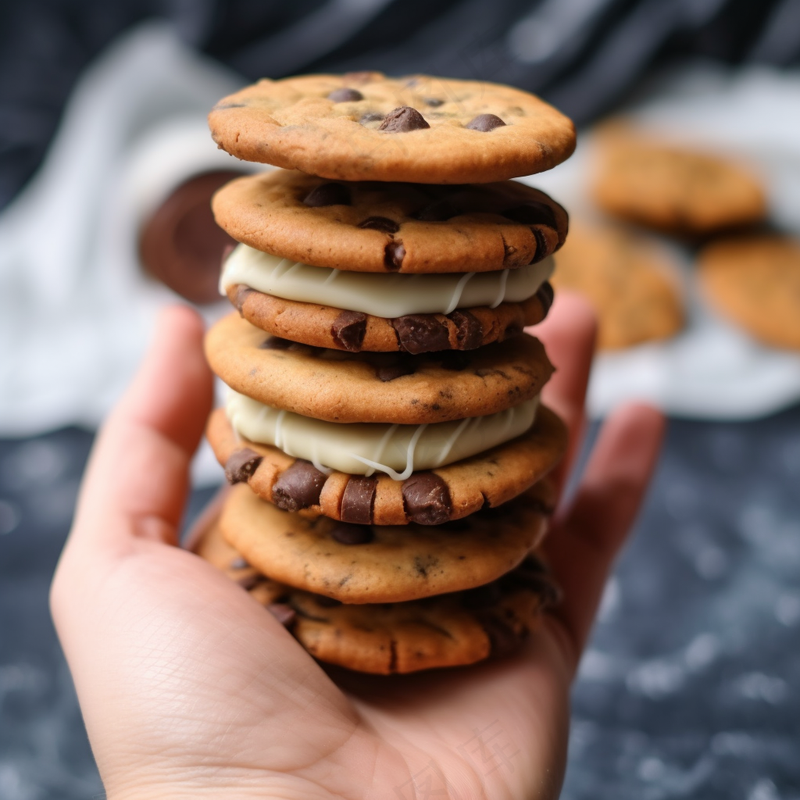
pixel 241 465
pixel 542 249
pixel 402 120
pixel 546 296
pixel 433 102
pixel 328 194
pixel 371 116
pixel 345 533
pixel 284 613
pixel 485 123
pixel 426 499
pixel 348 330
pixel 421 333
pixel 437 212
pixel 482 597
pixel 242 293
pixel 239 563
pixel 532 213
pixel 379 224
pixel 358 500
pixel 393 255
pixel 275 343
pixel 393 371
pixel 298 487
pixel 469 331
pixel 345 95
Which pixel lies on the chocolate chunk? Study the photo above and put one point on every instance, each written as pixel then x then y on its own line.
pixel 546 296
pixel 239 563
pixel 433 102
pixel 328 194
pixel 402 120
pixel 421 333
pixel 482 597
pixel 276 343
pixel 485 123
pixel 346 533
pixel 241 465
pixel 393 255
pixel 348 330
pixel 298 487
pixel 345 95
pixel 532 213
pixel 371 116
pixel 469 331
pixel 503 638
pixel 358 500
pixel 426 499
pixel 379 224
pixel 392 371
pixel 242 293
pixel 437 212
pixel 284 613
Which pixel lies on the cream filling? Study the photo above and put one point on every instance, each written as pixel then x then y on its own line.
pixel 363 448
pixel 386 295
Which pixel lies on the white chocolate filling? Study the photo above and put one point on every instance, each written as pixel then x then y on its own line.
pixel 386 295
pixel 363 448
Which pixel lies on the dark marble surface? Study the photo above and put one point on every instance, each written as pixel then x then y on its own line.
pixel 689 688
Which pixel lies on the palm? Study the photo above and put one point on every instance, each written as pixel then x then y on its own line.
pixel 185 682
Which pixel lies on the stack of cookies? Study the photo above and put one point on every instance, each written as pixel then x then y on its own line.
pixel 383 422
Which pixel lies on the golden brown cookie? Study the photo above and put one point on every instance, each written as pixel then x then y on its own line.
pixel 754 281
pixel 365 126
pixel 429 497
pixel 672 188
pixel 443 631
pixel 381 563
pixel 633 288
pixel 391 227
pixel 374 387
pixel 335 328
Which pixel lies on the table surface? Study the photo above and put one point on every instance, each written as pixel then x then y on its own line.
pixel 690 686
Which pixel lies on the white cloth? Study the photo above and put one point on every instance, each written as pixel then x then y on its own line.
pixel 713 370
pixel 76 309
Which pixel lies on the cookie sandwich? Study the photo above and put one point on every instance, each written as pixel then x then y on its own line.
pixel 383 419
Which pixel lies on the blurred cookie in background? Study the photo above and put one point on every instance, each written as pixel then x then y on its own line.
pixel 633 287
pixel 754 282
pixel 672 188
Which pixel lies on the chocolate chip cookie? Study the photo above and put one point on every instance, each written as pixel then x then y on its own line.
pixel 391 227
pixel 754 281
pixel 674 189
pixel 428 497
pixel 365 126
pixel 373 387
pixel 444 631
pixel 357 563
pixel 634 288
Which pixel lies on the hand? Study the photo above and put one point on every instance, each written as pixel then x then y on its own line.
pixel 190 689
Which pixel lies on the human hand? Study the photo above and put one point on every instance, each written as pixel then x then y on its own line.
pixel 189 688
